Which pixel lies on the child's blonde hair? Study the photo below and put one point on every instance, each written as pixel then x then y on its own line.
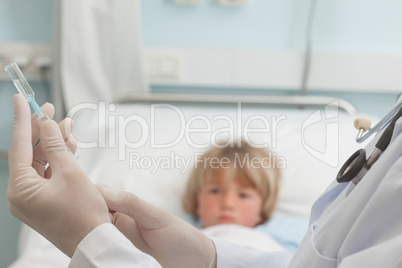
pixel 257 165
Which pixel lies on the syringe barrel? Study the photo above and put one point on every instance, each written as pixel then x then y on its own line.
pixel 19 80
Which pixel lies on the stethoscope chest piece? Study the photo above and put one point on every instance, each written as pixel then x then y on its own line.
pixel 352 166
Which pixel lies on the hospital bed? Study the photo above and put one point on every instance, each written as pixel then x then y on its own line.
pixel 120 144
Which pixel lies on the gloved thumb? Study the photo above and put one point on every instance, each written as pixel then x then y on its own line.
pixel 130 204
pixel 54 147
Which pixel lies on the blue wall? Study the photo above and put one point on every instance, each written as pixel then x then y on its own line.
pixel 371 26
pixel 259 24
pixel 359 26
pixel 26 20
pixel 343 25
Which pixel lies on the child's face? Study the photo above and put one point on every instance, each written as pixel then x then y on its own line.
pixel 233 201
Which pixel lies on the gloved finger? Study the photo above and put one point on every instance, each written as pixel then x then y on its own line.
pixel 48 109
pixel 23 178
pixel 122 221
pixel 20 154
pixel 66 128
pixel 71 143
pixel 144 213
pixel 48 172
pixel 128 226
pixel 39 159
pixel 55 149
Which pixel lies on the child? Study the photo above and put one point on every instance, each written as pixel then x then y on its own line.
pixel 236 185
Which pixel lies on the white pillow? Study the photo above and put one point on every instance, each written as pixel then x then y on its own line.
pixel 312 143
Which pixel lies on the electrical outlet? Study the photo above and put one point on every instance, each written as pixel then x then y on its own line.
pixel 164 66
pixel 168 66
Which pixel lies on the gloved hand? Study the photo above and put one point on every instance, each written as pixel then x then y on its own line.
pixel 39 159
pixel 170 240
pixel 62 205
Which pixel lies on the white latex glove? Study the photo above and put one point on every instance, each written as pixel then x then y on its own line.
pixel 64 207
pixel 170 240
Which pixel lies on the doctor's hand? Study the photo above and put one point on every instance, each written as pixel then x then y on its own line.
pixel 62 205
pixel 170 240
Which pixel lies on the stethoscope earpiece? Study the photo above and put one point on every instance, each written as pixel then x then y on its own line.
pixel 362 124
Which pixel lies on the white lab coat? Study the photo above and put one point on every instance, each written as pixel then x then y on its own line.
pixel 105 246
pixel 363 229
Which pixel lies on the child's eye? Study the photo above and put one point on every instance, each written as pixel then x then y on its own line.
pixel 215 191
pixel 244 195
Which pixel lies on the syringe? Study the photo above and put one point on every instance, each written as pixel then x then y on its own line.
pixel 25 90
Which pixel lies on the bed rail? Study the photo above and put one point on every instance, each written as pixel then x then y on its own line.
pixel 299 101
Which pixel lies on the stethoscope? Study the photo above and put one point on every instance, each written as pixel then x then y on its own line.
pixel 357 165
